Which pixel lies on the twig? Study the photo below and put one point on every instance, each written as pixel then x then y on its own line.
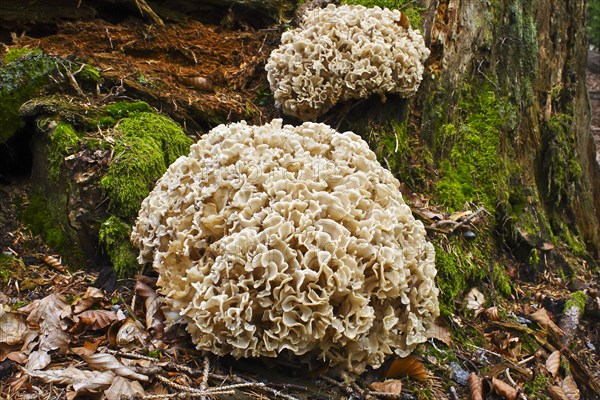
pixel 526 360
pixel 205 373
pixel 145 8
pixel 340 385
pixel 453 393
pixel 467 219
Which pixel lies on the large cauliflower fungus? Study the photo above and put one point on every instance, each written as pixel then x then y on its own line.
pixel 272 238
pixel 342 53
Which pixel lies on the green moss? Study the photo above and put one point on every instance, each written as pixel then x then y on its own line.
pixel 123 109
pixel 114 235
pixel 20 80
pixel 473 168
pixel 537 386
pixel 406 6
pixel 501 280
pixel 46 216
pixel 146 145
pixel 106 122
pixel 457 270
pixel 534 258
pixel 463 264
pixel 577 299
pixel 10 266
pixel 563 172
pixel 90 74
pixel 64 141
pixel 17 52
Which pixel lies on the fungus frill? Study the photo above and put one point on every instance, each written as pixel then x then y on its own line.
pixel 342 53
pixel 277 238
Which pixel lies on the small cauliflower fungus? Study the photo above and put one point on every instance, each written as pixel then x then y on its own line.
pixel 274 238
pixel 342 53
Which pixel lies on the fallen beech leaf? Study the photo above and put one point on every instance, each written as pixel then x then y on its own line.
pixel 553 363
pixel 390 386
pixel 91 297
pixel 570 388
pixel 475 386
pixel 143 288
pixel 131 333
pixel 407 366
pixel 556 393
pixel 97 319
pixel 89 347
pixel 122 387
pixel 439 330
pixel 542 318
pixel 492 314
pixel 474 301
pixel 38 360
pixel 108 362
pixel 49 313
pixel 154 316
pixel 71 376
pixel 504 389
pixel 12 326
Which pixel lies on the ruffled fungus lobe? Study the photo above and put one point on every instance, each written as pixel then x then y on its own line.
pixel 342 53
pixel 274 238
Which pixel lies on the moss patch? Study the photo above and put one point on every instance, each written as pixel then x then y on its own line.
pixel 64 141
pixel 577 299
pixel 473 169
pixel 22 78
pixel 146 145
pixel 463 264
pixel 123 109
pixel 114 235
pixel 10 266
pixel 563 172
pixel 406 6
pixel 45 215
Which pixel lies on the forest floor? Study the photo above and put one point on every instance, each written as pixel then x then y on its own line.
pixel 62 337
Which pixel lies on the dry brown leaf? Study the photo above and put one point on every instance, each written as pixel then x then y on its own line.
pixel 108 362
pixel 393 386
pixel 72 376
pixel 475 386
pixel 556 393
pixel 504 389
pixel 12 326
pixel 91 297
pixel 48 313
pixel 131 333
pixel 570 388
pixel 492 314
pixel 407 366
pixel 38 360
pixel 543 319
pixel 439 330
pixel 96 319
pixel 455 216
pixel 553 363
pixel 143 287
pixel 123 387
pixel 154 316
pixel 474 301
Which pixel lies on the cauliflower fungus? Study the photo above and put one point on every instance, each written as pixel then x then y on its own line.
pixel 273 238
pixel 342 53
